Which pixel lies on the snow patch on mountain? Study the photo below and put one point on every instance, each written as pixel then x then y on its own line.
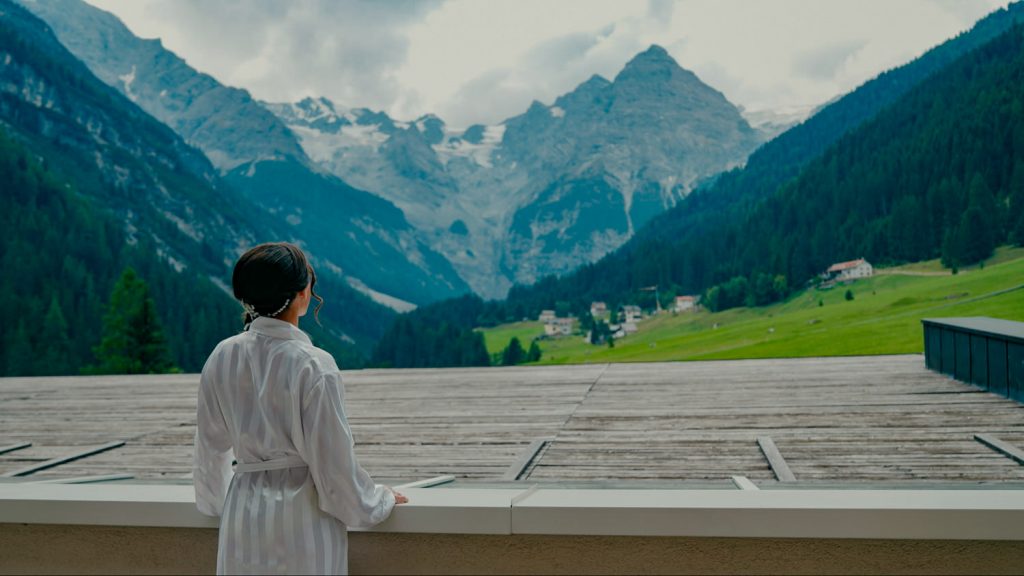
pixel 127 80
pixel 773 122
pixel 396 304
pixel 455 146
pixel 324 146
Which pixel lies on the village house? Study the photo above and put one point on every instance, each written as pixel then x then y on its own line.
pixel 631 313
pixel 851 270
pixel 686 303
pixel 546 316
pixel 559 327
pixel 598 309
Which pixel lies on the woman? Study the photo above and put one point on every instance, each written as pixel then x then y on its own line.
pixel 271 399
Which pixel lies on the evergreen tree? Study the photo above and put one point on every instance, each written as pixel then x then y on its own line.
pixel 534 354
pixel 974 236
pixel 473 351
pixel 145 330
pixel 586 321
pixel 1017 234
pixel 952 251
pixel 133 341
pixel 600 333
pixel 19 352
pixel 54 346
pixel 513 354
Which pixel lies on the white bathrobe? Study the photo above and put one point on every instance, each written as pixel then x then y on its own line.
pixel 274 402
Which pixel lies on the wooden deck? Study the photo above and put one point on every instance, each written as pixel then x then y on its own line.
pixel 839 420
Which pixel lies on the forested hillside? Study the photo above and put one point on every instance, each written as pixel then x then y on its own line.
pixel 145 183
pixel 57 279
pixel 437 335
pixel 785 156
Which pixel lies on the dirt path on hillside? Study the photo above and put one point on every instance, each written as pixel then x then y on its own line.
pixel 884 272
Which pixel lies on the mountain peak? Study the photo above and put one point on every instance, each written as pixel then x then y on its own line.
pixel 655 65
pixel 653 57
pixel 655 52
pixel 595 80
pixel 653 61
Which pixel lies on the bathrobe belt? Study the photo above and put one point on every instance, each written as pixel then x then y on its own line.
pixel 275 464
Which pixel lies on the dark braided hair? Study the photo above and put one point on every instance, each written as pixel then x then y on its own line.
pixel 268 276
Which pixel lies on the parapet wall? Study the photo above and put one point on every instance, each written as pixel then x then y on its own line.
pixel 149 529
pixel 82 549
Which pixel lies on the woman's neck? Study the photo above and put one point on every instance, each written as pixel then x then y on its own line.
pixel 290 316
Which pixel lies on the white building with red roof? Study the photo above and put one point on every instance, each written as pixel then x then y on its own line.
pixel 685 303
pixel 851 270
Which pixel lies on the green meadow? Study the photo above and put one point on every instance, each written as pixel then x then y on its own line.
pixel 497 338
pixel 884 317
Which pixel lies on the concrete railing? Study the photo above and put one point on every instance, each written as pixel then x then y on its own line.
pixel 156 528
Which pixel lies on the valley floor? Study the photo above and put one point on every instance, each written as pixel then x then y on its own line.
pixel 884 317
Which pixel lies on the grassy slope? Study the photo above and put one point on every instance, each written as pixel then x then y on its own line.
pixel 883 318
pixel 497 338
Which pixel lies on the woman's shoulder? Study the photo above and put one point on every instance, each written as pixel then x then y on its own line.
pixel 301 354
pixel 305 352
pixel 321 358
pixel 223 347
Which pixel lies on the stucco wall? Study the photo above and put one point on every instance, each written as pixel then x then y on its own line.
pixel 42 548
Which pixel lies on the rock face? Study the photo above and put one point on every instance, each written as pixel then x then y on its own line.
pixel 360 234
pixel 126 161
pixel 214 118
pixel 548 190
pixel 616 154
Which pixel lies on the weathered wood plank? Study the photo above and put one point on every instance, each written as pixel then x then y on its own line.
pixel 998 445
pixel 85 479
pixel 63 459
pixel 13 447
pixel 516 470
pixel 744 483
pixel 775 459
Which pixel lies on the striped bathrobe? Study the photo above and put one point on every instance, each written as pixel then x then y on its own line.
pixel 274 402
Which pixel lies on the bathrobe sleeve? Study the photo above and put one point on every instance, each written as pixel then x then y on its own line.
pixel 211 464
pixel 345 489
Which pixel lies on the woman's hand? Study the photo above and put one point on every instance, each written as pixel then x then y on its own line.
pixel 399 498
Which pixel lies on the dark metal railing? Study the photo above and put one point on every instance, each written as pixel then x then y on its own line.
pixel 986 352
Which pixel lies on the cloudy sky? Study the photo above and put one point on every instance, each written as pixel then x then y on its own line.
pixel 483 61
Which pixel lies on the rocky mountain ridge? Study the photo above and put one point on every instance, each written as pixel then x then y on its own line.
pixel 362 236
pixel 127 168
pixel 546 191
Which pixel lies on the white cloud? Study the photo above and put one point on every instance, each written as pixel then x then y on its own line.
pixel 472 61
pixel 285 50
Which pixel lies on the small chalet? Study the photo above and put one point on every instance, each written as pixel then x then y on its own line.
pixel 851 270
pixel 547 316
pixel 598 309
pixel 686 303
pixel 632 313
pixel 559 327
